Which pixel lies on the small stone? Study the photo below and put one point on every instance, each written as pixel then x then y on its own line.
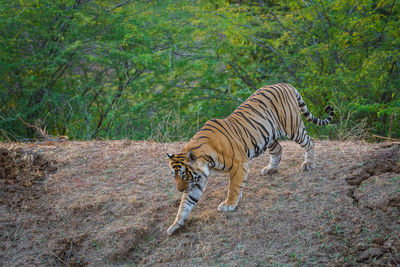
pixel 357 229
pixel 243 252
pixel 361 246
pixel 388 244
pixel 379 240
pixel 370 168
pixel 396 167
pixel 357 176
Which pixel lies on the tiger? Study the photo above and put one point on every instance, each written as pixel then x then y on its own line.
pixel 229 144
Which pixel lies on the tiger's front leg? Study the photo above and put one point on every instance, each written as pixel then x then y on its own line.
pixel 238 176
pixel 188 201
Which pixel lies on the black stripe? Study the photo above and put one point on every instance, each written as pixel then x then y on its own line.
pixel 208 158
pixel 298 135
pixel 271 115
pixel 253 141
pixel 262 133
pixel 220 124
pixel 229 126
pixel 259 101
pixel 233 150
pixel 222 133
pixel 223 157
pixel 197 147
pixel 273 145
pixel 195 200
pixel 199 187
pixel 303 138
pixel 289 101
pixel 255 111
pixel 241 136
pixel 278 92
pixel 212 161
pixel 177 165
pixel 205 129
pixel 276 111
pixel 191 202
pixel 236 125
pixel 248 121
pixel 276 100
pixel 201 137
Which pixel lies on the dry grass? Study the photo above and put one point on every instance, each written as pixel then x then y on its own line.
pixel 110 203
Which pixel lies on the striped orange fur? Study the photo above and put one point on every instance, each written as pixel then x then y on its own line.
pixel 229 144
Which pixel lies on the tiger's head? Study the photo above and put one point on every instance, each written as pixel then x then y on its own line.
pixel 186 170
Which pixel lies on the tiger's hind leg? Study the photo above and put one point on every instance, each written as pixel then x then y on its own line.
pixel 275 155
pixel 238 177
pixel 307 142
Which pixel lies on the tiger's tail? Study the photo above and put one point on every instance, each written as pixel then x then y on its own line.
pixel 309 117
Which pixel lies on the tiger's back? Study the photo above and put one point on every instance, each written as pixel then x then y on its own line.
pixel 270 112
pixel 281 102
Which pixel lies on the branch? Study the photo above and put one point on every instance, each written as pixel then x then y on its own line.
pixel 352 9
pixel 390 13
pixel 127 2
pixel 246 78
pixel 289 68
pixel 229 97
pixel 386 138
pixel 211 98
pixel 276 18
pixel 117 96
pixel 392 68
pixel 62 68
pixel 41 132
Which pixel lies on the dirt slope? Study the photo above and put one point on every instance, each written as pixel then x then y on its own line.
pixel 110 203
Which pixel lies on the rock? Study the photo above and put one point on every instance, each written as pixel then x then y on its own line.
pixel 378 192
pixel 356 177
pixel 392 200
pixel 379 240
pixel 384 165
pixel 388 244
pixel 361 246
pixel 243 252
pixel 370 168
pixel 370 253
pixel 396 167
pixel 357 229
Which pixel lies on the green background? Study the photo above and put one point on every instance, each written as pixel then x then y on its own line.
pixel 157 70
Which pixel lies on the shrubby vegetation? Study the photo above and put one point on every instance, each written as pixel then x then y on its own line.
pixel 159 69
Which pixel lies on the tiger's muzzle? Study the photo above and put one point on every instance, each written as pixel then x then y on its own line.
pixel 181 184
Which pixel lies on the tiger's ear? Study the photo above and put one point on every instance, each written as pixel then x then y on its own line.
pixel 191 157
pixel 170 155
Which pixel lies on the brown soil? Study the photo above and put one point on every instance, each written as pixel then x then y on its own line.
pixel 110 203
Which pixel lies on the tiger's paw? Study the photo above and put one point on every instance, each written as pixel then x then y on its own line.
pixel 173 228
pixel 307 166
pixel 226 207
pixel 268 170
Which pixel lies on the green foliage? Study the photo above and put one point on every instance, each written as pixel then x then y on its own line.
pixel 160 69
